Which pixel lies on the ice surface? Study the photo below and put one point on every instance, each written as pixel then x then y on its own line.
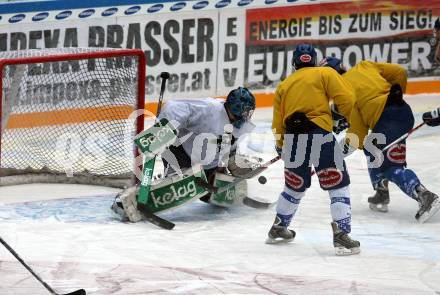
pixel 69 236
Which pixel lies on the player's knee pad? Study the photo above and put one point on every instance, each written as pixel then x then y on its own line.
pixel 396 155
pixel 333 178
pixel 288 203
pixel 340 207
pixel 404 178
pixel 297 181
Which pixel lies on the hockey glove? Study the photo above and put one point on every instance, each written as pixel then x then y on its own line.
pixel 339 121
pixel 432 118
pixel 239 165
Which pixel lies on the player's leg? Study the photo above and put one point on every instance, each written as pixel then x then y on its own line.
pixel 297 178
pixel 408 182
pixel 286 208
pixel 380 200
pixel 395 121
pixel 333 177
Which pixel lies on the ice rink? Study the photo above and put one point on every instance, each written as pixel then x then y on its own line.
pixel 70 237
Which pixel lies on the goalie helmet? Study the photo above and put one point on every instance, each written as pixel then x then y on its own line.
pixel 241 104
pixel 334 63
pixel 304 56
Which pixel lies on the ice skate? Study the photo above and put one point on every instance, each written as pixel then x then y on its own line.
pixel 379 202
pixel 279 234
pixel 118 209
pixel 343 244
pixel 129 204
pixel 429 204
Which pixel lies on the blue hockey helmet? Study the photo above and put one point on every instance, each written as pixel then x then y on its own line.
pixel 333 62
pixel 304 56
pixel 241 104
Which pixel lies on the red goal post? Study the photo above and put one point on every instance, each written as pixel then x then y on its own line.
pixel 65 115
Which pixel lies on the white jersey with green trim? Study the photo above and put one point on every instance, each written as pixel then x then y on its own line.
pixel 200 122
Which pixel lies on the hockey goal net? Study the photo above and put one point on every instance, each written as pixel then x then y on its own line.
pixel 65 115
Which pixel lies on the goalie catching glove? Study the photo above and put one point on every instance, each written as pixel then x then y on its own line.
pixel 432 118
pixel 240 165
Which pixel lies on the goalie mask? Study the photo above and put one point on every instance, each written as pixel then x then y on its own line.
pixel 241 104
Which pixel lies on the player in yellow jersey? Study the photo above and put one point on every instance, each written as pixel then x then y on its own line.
pixel 302 123
pixel 380 108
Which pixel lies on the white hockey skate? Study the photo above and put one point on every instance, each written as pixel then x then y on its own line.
pixel 429 204
pixel 279 234
pixel 343 244
pixel 379 202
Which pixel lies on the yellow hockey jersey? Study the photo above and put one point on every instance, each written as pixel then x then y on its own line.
pixel 371 82
pixel 309 90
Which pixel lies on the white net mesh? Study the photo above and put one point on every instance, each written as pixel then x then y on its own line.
pixel 69 117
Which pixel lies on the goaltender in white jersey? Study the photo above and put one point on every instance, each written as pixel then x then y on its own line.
pixel 204 126
pixel 207 135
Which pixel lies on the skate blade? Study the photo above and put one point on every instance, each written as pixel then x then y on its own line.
pixel 435 207
pixel 342 251
pixel 383 208
pixel 272 241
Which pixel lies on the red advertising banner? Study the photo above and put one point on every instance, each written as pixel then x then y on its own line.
pixel 387 31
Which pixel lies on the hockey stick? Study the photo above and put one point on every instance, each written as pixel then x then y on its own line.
pixel 149 164
pixel 403 136
pixel 147 174
pixel 256 203
pixel 256 171
pixel 77 292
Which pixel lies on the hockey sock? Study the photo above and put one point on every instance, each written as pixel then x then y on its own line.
pixel 287 205
pixel 340 208
pixel 405 179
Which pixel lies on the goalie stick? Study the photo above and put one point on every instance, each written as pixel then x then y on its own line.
pixel 77 292
pixel 154 219
pixel 147 174
pixel 256 203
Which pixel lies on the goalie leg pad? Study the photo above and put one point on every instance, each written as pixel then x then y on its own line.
pixel 233 196
pixel 129 204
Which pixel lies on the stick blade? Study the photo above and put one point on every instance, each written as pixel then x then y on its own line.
pixel 257 204
pixel 77 292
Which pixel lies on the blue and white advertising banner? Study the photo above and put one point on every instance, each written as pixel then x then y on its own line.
pixel 211 47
